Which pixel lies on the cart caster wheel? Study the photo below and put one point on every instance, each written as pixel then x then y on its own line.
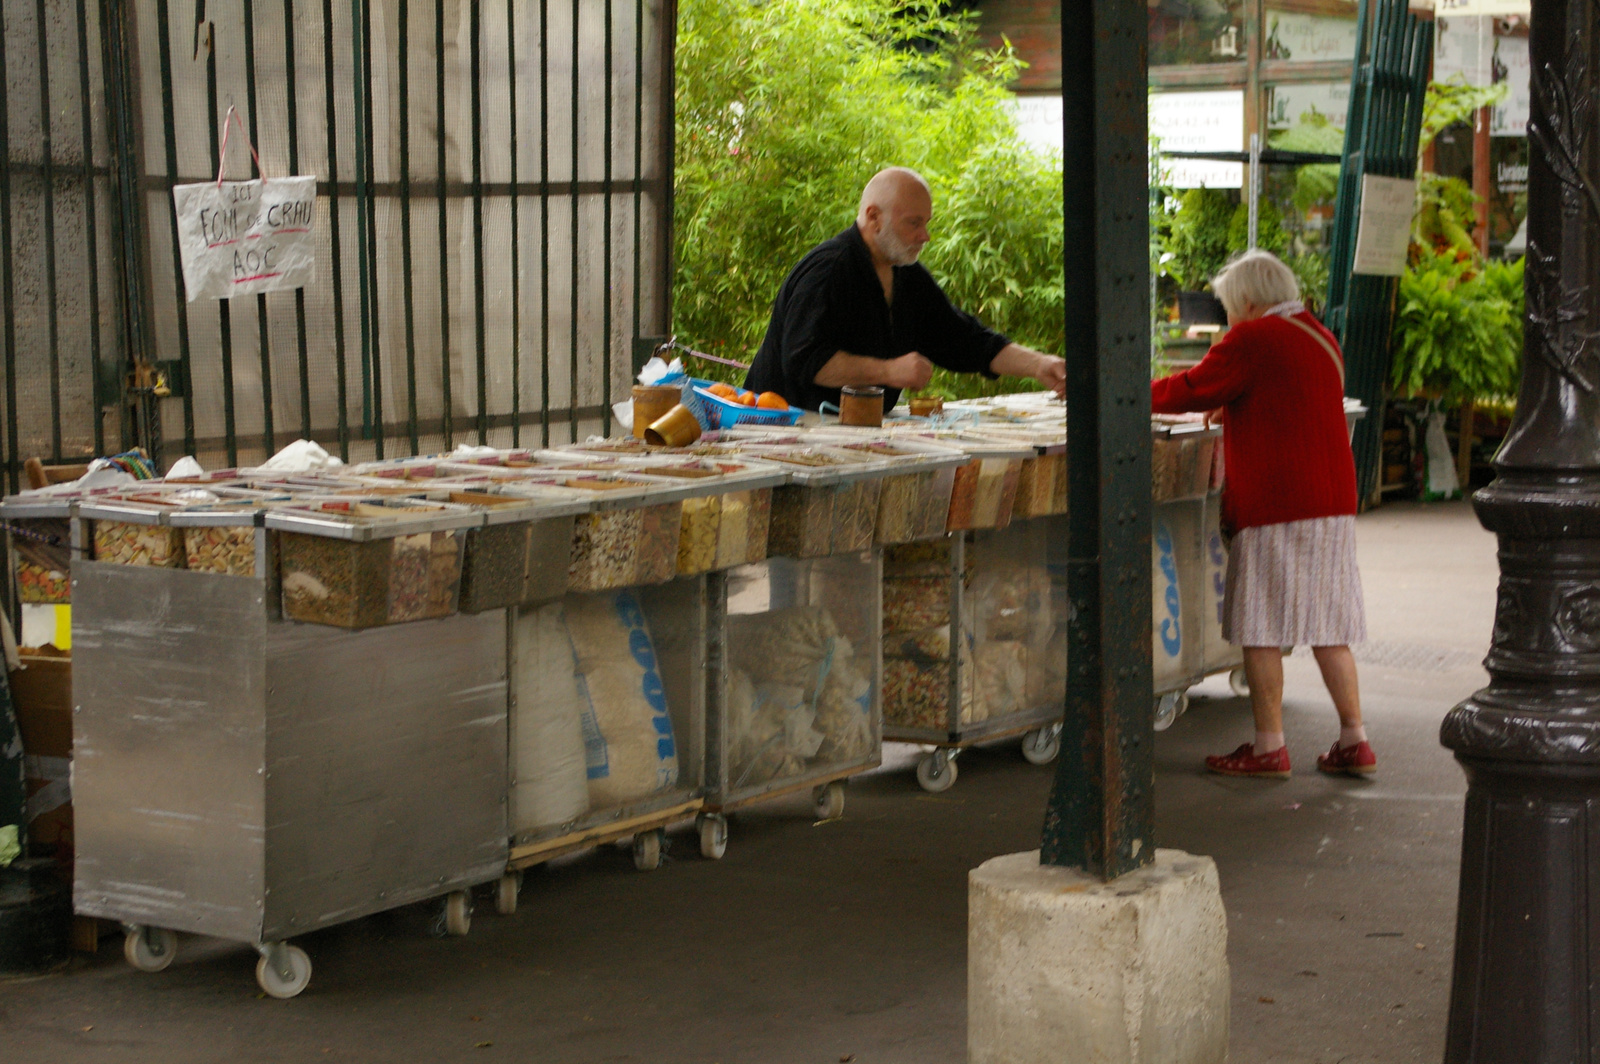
pixel 458 912
pixel 828 800
pixel 1040 747
pixel 647 850
pixel 1169 707
pixel 1239 682
pixel 150 949
pixel 505 894
pixel 283 970
pixel 936 772
pixel 713 835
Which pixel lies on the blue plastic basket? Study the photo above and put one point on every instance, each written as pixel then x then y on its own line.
pixel 725 414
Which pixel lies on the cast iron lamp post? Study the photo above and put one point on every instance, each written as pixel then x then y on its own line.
pixel 1528 929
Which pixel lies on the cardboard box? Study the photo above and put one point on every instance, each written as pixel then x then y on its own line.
pixel 41 693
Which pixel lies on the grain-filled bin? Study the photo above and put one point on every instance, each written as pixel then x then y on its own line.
pixel 915 496
pixel 520 554
pixel 227 539
pixel 830 505
pixel 794 682
pixel 729 524
pixel 629 536
pixel 1182 452
pixel 39 535
pixel 134 527
pixel 975 640
pixel 359 562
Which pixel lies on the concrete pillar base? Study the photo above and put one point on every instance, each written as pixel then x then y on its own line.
pixel 1064 968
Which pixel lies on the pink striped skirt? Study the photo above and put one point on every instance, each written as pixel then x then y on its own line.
pixel 1294 584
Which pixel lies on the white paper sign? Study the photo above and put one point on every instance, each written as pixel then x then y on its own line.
pixel 1384 235
pixel 244 237
pixel 1199 121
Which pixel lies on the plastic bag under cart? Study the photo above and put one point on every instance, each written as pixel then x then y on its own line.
pixel 794 684
pixel 607 722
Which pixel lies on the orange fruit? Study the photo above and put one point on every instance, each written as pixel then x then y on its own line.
pixel 726 391
pixel 772 401
pixel 747 398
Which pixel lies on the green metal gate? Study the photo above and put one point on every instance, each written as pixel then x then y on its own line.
pixel 494 221
pixel 1387 87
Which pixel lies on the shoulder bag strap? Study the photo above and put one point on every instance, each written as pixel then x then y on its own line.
pixel 1326 346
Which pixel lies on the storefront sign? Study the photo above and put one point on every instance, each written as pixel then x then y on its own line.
pixel 1199 121
pixel 1510 116
pixel 1291 103
pixel 1387 204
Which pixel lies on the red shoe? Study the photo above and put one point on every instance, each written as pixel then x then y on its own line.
pixel 1357 760
pixel 1245 762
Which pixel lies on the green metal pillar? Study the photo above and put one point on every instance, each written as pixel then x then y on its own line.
pixel 1102 810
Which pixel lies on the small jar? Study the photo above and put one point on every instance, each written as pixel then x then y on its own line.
pixel 861 406
pixel 651 401
pixel 926 405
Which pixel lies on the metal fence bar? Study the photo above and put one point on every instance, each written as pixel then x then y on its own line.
pixel 364 79
pixel 516 236
pixel 407 290
pixel 476 91
pixel 303 357
pixel 330 119
pixel 572 382
pixel 91 225
pixel 544 222
pixel 224 307
pixel 605 258
pixel 48 176
pixel 444 230
pixel 14 460
pixel 638 156
pixel 263 341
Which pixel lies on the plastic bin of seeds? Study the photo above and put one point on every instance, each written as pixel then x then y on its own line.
pixel 985 486
pixel 727 527
pixel 134 527
pixel 631 533
pixel 39 529
pixel 520 555
pixel 366 561
pixel 830 505
pixel 225 538
pixel 915 495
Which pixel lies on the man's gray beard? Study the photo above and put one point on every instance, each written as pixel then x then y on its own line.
pixel 894 250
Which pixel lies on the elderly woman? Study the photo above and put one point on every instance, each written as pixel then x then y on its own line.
pixel 1289 502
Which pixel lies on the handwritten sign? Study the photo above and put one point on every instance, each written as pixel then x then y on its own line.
pixel 239 238
pixel 1384 232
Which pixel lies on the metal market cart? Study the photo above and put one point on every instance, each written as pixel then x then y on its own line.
pixel 240 775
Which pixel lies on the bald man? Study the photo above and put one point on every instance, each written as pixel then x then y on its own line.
pixel 859 310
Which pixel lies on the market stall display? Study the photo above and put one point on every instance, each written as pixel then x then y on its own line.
pixel 314 776
pixel 39 539
pixel 359 562
pixel 794 684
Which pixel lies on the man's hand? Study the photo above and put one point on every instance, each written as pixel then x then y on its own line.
pixel 908 372
pixel 1014 360
pixel 1052 373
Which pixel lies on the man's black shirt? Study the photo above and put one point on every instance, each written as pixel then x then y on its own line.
pixel 832 301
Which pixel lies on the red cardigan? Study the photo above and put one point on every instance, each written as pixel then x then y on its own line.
pixel 1286 443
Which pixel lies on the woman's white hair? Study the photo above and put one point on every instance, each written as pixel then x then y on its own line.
pixel 1257 278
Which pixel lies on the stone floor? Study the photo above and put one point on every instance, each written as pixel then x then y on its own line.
pixel 846 940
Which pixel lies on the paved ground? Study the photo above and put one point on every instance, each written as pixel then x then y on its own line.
pixel 847 940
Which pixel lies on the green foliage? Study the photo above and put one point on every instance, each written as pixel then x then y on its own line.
pixel 1449 102
pixel 1311 271
pixel 1270 234
pixel 1318 182
pixel 1458 328
pixel 1193 228
pixel 1445 215
pixel 786 107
